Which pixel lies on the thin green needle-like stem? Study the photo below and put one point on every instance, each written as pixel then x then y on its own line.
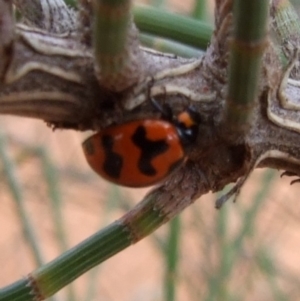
pixel 115 39
pixel 16 190
pixel 172 258
pixel 50 278
pixel 200 10
pixel 268 267
pixel 247 48
pixel 229 249
pixel 142 220
pixel 226 260
pixel 251 214
pixel 158 3
pixel 216 283
pixel 109 203
pixel 52 180
pixel 110 29
pixel 169 46
pixel 178 28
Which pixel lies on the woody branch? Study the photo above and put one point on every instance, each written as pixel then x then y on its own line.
pixel 50 72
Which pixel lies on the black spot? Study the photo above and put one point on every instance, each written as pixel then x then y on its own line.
pixel 149 150
pixel 113 162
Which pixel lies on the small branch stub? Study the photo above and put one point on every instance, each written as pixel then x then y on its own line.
pixel 117 53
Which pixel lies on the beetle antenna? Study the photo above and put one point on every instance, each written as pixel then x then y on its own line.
pixel 165 110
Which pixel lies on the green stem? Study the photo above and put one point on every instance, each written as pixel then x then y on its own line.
pixel 200 10
pixel 169 46
pixel 175 27
pixel 16 190
pixel 115 39
pixel 172 254
pixel 247 48
pixel 229 248
pixel 110 29
pixel 146 217
pixel 52 180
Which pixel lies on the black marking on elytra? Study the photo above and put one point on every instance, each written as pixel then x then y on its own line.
pixel 113 162
pixel 149 150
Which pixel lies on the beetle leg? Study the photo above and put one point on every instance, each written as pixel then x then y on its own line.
pixel 235 190
pixel 291 174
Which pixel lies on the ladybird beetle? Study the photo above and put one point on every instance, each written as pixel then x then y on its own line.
pixel 142 152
